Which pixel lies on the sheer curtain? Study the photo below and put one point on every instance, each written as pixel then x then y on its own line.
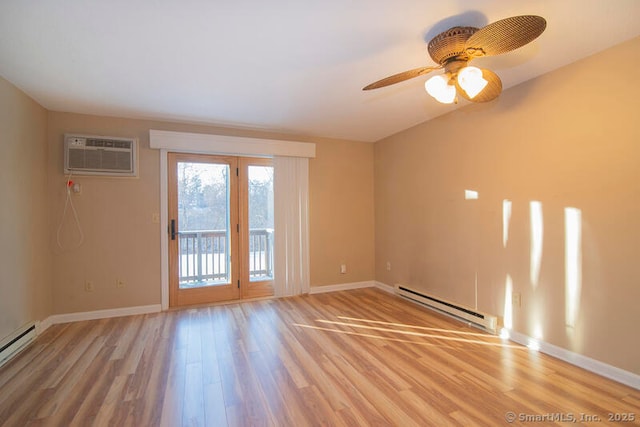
pixel 291 240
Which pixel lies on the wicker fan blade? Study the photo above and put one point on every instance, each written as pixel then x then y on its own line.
pixel 400 77
pixel 505 35
pixel 490 91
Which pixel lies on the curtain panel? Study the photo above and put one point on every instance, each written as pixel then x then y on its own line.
pixel 291 240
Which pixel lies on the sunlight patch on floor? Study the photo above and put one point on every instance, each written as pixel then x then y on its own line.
pixel 404 325
pixel 433 338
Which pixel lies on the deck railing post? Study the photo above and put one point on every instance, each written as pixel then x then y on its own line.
pixel 198 259
pixel 268 252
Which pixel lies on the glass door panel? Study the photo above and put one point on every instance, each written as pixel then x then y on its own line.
pixel 260 181
pixel 257 226
pixel 204 224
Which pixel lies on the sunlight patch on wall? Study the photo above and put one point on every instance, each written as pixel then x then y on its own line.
pixel 470 195
pixel 537 310
pixel 506 220
pixel 537 230
pixel 508 303
pixel 573 263
pixel 537 331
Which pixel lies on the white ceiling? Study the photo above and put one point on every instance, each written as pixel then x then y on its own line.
pixel 279 65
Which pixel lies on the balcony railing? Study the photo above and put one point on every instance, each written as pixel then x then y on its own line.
pixel 204 254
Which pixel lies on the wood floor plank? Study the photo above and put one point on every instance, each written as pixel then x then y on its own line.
pixel 64 400
pixel 349 358
pixel 113 397
pixel 357 405
pixel 174 391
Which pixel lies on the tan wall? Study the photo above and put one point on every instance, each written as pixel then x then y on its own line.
pixel 569 139
pixel 24 251
pixel 121 242
pixel 341 213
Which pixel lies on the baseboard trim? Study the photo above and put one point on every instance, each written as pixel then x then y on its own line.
pixel 384 287
pixel 43 325
pixel 341 287
pixel 98 314
pixel 620 375
pixel 350 286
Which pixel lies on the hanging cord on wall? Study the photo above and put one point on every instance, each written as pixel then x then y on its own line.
pixel 69 202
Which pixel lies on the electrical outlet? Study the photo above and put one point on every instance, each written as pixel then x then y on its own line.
pixel 119 283
pixel 388 266
pixel 343 269
pixel 516 299
pixel 88 286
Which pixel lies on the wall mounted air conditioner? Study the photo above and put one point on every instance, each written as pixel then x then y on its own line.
pixel 100 155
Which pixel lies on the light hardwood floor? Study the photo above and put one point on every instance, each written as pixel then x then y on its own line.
pixel 353 358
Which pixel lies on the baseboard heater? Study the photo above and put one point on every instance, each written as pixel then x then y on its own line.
pixel 486 321
pixel 16 342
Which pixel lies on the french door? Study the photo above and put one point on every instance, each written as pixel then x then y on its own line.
pixel 221 228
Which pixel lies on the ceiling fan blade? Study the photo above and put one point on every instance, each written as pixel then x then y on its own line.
pixel 490 91
pixel 505 35
pixel 400 77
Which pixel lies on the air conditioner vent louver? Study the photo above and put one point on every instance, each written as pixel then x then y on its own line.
pixel 109 143
pixel 98 155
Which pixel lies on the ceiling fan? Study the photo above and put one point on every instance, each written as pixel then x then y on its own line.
pixel 455 48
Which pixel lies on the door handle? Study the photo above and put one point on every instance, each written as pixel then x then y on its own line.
pixel 173 229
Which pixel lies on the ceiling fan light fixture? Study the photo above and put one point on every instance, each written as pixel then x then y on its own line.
pixel 470 79
pixel 440 89
pixel 454 48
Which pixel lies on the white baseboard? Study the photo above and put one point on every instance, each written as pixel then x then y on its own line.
pixel 341 287
pixel 384 287
pixel 98 314
pixel 352 285
pixel 43 325
pixel 620 375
